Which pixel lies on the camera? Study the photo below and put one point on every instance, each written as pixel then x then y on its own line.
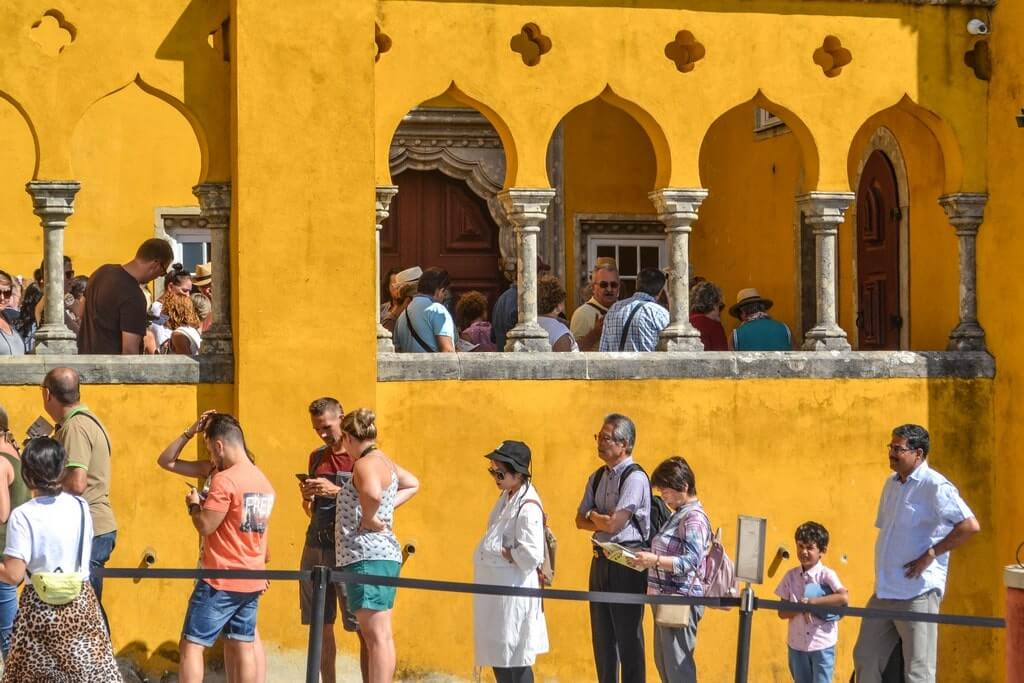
pixel 977 27
pixel 1020 119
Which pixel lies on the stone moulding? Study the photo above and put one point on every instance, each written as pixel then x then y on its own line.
pixel 944 3
pixel 395 367
pixel 30 370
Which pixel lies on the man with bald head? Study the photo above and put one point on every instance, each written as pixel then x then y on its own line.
pixel 87 444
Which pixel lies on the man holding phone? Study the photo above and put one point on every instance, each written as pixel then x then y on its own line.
pixel 328 467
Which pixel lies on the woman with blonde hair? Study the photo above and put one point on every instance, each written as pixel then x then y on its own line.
pixel 365 539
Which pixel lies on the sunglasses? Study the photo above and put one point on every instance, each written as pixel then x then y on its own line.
pixel 608 285
pixel 6 293
pixel 498 475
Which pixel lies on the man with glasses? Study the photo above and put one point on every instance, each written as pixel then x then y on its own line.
pixel 115 320
pixel 616 506
pixel 921 518
pixel 588 319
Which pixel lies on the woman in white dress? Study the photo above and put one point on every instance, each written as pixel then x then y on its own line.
pixel 509 632
pixel 550 305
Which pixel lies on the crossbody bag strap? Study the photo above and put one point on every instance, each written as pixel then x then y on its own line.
pixel 81 535
pixel 103 429
pixel 321 454
pixel 629 321
pixel 600 311
pixel 412 329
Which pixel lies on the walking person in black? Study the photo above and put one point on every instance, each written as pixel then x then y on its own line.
pixel 616 506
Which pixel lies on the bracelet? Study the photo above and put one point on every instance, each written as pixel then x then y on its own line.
pixel 188 437
pixel 657 562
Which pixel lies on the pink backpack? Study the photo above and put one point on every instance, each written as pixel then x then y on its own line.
pixel 719 571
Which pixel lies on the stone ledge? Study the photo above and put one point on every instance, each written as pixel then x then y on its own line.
pixel 399 367
pixel 22 370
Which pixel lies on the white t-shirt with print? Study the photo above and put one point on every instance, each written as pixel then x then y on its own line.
pixel 44 533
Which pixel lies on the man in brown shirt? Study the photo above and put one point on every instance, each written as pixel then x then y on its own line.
pixel 87 444
pixel 114 321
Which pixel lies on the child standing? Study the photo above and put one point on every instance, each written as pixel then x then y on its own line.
pixel 812 639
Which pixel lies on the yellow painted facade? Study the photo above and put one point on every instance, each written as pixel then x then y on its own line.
pixel 299 119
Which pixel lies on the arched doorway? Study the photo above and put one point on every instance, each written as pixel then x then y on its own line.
pixel 437 220
pixel 879 321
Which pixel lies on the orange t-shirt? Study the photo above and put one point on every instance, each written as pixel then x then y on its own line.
pixel 240 542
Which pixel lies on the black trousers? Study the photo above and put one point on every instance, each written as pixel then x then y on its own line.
pixel 617 631
pixel 513 674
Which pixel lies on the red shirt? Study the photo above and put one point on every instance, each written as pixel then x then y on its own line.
pixel 331 462
pixel 240 542
pixel 711 332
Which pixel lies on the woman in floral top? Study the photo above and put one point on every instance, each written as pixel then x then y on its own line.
pixel 676 563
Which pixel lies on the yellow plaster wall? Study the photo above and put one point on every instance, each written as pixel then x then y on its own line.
pixel 609 169
pixel 745 235
pixel 20 232
pixel 819 454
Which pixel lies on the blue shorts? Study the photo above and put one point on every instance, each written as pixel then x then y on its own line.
pixel 212 612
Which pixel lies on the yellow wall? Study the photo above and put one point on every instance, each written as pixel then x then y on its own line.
pixel 609 169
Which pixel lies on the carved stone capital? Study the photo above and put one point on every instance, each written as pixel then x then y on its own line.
pixel 965 210
pixel 825 211
pixel 385 193
pixel 677 207
pixel 53 200
pixel 214 203
pixel 527 207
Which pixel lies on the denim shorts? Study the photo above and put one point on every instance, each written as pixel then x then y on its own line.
pixel 212 612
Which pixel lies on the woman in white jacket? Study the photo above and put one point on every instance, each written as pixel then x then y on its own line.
pixel 510 632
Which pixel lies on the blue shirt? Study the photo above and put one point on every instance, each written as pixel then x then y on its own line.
pixel 430 320
pixel 912 517
pixel 643 332
pixel 762 334
pixel 635 497
pixel 504 316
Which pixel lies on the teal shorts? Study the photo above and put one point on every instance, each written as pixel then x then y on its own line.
pixel 367 596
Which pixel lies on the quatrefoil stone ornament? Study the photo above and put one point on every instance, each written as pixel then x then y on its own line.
pixel 531 44
pixel 382 42
pixel 52 33
pixel 685 51
pixel 832 56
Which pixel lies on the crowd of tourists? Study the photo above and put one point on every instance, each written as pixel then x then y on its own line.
pixel 112 311
pixel 57 527
pixel 425 317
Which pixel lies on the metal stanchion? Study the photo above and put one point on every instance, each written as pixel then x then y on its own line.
pixel 747 607
pixel 321 575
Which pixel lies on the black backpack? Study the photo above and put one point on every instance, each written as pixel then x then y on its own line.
pixel 659 510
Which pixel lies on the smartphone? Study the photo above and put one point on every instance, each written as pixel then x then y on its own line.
pixel 39 428
pixel 302 476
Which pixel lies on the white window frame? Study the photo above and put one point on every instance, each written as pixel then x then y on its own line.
pixel 636 241
pixel 195 231
pixel 765 121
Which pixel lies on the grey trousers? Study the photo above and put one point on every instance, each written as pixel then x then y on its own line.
pixel 878 638
pixel 673 650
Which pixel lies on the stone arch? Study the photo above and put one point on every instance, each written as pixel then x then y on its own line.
pixel 28 122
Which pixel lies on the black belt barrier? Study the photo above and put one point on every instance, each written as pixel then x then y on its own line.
pixel 323 576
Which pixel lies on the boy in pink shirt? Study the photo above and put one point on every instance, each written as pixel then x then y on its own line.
pixel 812 639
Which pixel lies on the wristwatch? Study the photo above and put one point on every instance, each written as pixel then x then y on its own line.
pixel 193 508
pixel 587 515
pixel 931 552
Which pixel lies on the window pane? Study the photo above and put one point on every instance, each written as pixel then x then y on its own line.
pixel 649 257
pixel 627 287
pixel 606 251
pixel 627 260
pixel 192 254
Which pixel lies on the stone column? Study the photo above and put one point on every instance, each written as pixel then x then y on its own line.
pixel 966 210
pixel 215 207
pixel 53 201
pixel 385 193
pixel 824 212
pixel 677 208
pixel 527 208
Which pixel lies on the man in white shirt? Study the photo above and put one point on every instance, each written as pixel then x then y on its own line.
pixel 588 319
pixel 921 518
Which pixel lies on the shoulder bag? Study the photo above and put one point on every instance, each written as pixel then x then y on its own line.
pixel 629 321
pixel 669 615
pixel 59 587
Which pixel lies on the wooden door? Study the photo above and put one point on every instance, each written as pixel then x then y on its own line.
pixel 878 255
pixel 436 220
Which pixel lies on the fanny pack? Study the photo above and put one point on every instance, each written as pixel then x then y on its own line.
pixel 59 587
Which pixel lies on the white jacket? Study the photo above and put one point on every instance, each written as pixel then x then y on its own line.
pixel 510 631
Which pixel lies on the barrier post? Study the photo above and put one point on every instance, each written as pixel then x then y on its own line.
pixel 748 604
pixel 320 577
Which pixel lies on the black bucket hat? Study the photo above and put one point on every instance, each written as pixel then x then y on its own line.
pixel 515 454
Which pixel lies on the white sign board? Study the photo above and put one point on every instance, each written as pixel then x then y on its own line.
pixel 750 539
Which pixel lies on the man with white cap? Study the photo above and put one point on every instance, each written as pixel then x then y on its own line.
pixel 757 332
pixel 405 284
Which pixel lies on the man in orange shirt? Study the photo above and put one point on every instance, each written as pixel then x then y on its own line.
pixel 233 523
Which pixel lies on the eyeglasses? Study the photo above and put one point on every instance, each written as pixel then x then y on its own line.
pixel 498 475
pixel 608 285
pixel 6 293
pixel 604 438
pixel 69 274
pixel 895 448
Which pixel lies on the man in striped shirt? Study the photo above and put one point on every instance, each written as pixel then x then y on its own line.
pixel 635 323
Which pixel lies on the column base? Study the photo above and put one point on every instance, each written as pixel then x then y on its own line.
pixel 55 340
pixel 967 336
pixel 826 339
pixel 526 338
pixel 385 344
pixel 680 339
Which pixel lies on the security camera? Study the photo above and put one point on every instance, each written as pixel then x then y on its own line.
pixel 977 27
